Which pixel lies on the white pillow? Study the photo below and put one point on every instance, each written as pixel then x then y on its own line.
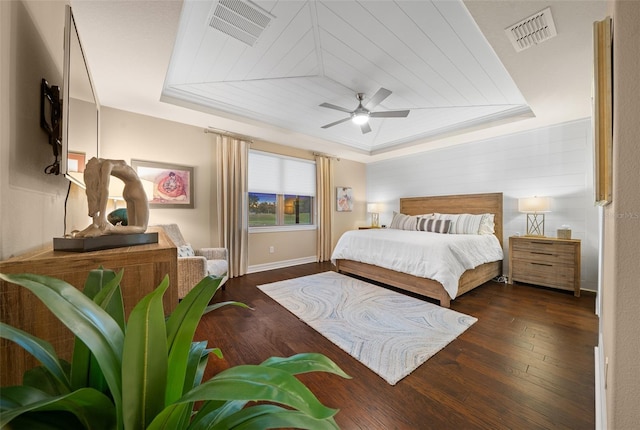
pixel 186 251
pixel 487 224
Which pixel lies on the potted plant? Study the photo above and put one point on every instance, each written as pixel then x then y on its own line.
pixel 146 372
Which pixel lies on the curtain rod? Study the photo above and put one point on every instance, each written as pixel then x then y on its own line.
pixel 322 154
pixel 228 133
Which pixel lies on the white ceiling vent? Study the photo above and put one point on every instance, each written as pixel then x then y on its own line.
pixel 241 19
pixel 532 30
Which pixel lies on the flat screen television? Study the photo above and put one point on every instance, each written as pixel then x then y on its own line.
pixel 80 107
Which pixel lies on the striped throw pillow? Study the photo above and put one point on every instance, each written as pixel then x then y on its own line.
pixel 469 223
pixel 403 222
pixel 434 225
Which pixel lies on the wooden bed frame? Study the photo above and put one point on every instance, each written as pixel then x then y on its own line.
pixel 463 203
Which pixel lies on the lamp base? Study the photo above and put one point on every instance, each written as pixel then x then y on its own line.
pixel 535 225
pixel 375 220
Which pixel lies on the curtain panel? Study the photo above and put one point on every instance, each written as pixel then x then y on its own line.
pixel 232 172
pixel 324 187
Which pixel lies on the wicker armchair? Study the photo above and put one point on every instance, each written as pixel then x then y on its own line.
pixel 195 264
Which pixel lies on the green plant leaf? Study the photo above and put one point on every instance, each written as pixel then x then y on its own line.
pixel 144 361
pixel 215 306
pixel 255 382
pixel 173 417
pixel 213 411
pixel 40 349
pixel 85 319
pixel 109 296
pixel 305 362
pixel 92 408
pixel 181 327
pixel 41 378
pixel 198 357
pixel 47 421
pixel 103 287
pixel 271 417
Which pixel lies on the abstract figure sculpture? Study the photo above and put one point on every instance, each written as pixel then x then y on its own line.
pixel 97 175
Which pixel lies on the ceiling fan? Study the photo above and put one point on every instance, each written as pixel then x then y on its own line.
pixel 362 113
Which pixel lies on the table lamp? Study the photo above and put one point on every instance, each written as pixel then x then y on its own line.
pixel 373 209
pixel 534 207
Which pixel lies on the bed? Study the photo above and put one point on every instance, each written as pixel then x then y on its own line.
pixel 470 279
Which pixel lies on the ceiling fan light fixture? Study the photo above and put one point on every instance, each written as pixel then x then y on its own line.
pixel 360 117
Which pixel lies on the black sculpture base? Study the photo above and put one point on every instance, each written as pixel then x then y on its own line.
pixel 85 244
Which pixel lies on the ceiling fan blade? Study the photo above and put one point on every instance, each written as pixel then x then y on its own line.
pixel 390 114
pixel 336 123
pixel 330 106
pixel 377 98
pixel 365 128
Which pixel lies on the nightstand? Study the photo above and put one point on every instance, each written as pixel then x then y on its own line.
pixel 545 261
pixel 366 228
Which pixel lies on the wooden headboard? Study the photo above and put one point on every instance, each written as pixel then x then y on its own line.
pixel 457 204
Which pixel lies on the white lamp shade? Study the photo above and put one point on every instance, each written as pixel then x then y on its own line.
pixel 372 208
pixel 534 204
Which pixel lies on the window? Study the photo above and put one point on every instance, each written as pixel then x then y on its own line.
pixel 281 190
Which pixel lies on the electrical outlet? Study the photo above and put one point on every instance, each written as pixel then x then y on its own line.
pixel 272 249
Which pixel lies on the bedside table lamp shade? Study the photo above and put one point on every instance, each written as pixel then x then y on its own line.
pixel 373 209
pixel 534 207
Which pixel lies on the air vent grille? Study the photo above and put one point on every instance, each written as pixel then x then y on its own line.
pixel 532 30
pixel 240 19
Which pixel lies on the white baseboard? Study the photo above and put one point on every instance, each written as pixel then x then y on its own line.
pixel 281 264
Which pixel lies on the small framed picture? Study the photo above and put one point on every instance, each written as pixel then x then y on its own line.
pixel 167 185
pixel 344 199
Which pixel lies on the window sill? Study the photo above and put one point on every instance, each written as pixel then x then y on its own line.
pixel 281 228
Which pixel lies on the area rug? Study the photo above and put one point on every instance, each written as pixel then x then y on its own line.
pixel 389 332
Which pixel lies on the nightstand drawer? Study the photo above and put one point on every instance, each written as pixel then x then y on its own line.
pixel 547 274
pixel 542 253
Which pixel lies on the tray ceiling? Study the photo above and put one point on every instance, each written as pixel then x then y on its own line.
pixel 430 54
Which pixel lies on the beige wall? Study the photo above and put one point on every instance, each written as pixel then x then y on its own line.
pixel 31 202
pixel 350 174
pixel 127 136
pixel 620 324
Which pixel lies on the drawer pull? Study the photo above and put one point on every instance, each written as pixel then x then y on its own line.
pixel 541 253
pixel 543 264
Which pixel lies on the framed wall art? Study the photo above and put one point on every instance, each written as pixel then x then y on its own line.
pixel 344 199
pixel 167 185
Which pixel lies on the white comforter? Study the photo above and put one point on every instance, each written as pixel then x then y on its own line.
pixel 442 257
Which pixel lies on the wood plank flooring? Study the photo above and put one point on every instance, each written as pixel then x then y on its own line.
pixel 526 364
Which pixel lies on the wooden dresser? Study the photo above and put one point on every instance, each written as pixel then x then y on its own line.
pixel 545 261
pixel 145 266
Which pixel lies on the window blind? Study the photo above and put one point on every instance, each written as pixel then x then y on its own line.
pixel 279 174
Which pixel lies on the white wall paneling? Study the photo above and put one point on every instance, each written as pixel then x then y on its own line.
pixel 553 161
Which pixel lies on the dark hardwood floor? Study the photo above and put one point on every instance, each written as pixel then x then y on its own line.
pixel 526 364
